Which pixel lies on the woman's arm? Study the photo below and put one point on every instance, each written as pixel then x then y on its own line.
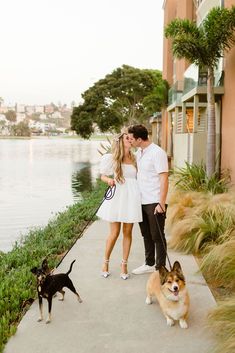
pixel 107 180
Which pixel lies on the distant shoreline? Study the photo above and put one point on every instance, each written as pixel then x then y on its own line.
pixel 92 138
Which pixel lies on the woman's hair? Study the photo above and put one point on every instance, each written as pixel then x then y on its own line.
pixel 118 150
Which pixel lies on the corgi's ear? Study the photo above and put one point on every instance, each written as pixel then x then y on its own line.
pixel 177 267
pixel 163 271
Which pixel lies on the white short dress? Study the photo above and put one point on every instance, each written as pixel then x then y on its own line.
pixel 125 206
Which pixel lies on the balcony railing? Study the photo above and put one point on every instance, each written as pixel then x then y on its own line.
pixel 175 92
pixel 195 77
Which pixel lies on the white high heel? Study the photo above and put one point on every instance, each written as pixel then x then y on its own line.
pixel 105 274
pixel 124 275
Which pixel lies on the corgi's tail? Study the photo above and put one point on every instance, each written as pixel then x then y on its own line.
pixel 71 266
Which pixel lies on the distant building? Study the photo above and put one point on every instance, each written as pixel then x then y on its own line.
pixel 49 108
pixel 20 117
pixel 3 109
pixel 11 107
pixel 56 115
pixel 49 126
pixel 3 117
pixel 30 109
pixel 20 108
pixel 39 109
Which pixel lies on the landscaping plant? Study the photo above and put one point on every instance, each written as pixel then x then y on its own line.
pixel 17 285
pixel 201 220
pixel 222 322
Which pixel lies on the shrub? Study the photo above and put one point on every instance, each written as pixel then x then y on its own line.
pixel 199 220
pixel 222 321
pixel 193 177
pixel 219 263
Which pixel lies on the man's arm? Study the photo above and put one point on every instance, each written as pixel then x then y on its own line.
pixel 163 193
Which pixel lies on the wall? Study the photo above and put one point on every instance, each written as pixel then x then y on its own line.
pixel 228 116
pixel 173 71
pixel 180 152
pixel 189 148
pixel 228 111
pixel 169 14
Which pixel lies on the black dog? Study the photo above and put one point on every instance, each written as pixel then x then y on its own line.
pixel 48 285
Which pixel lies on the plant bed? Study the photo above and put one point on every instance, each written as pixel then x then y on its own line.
pixel 17 286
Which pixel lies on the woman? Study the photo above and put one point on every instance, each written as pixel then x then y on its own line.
pixel 125 206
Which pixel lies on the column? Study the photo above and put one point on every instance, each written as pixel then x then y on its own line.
pixel 195 112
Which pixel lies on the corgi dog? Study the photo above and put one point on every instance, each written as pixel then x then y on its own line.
pixel 170 290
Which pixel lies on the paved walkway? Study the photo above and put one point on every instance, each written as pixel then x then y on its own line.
pixel 113 317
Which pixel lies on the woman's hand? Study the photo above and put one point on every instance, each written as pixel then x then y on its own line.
pixel 110 182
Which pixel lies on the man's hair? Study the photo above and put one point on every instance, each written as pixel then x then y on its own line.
pixel 138 131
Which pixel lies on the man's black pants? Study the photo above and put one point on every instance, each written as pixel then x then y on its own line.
pixel 155 250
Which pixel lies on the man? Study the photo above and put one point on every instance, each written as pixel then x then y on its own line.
pixel 152 177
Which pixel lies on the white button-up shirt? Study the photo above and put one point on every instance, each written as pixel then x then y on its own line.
pixel 151 161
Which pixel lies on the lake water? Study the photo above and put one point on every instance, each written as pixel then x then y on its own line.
pixel 38 178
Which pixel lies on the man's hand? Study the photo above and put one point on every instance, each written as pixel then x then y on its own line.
pixel 159 209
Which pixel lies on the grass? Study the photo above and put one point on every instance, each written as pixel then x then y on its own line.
pixel 193 177
pixel 222 322
pixel 219 263
pixel 17 285
pixel 201 220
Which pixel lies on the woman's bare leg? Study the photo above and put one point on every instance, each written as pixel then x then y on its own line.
pixel 110 242
pixel 126 244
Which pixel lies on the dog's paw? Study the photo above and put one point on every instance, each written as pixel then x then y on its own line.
pixel 169 322
pixel 40 319
pixel 80 300
pixel 183 324
pixel 48 321
pixel 148 300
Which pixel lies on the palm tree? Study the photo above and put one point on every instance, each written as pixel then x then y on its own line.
pixel 204 46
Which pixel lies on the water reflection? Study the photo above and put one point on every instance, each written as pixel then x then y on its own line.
pixel 40 177
pixel 81 180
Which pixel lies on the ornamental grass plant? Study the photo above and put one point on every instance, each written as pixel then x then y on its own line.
pixel 219 263
pixel 194 177
pixel 201 220
pixel 222 322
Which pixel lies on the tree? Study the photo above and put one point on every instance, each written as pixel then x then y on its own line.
pixel 21 129
pixel 127 95
pixel 11 115
pixel 204 46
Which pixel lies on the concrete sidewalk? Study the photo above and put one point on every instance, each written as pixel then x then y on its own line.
pixel 113 317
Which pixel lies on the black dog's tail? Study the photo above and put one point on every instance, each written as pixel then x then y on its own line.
pixel 70 269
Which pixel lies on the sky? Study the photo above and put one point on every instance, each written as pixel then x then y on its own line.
pixel 54 50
